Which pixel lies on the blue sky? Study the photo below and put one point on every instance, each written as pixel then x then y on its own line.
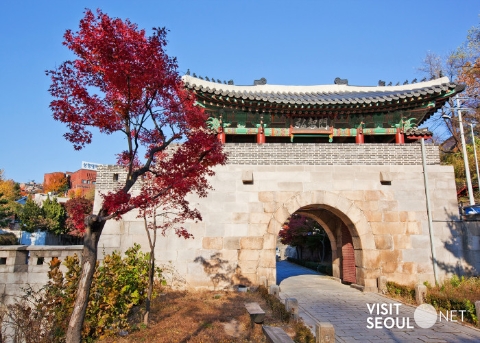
pixel 296 42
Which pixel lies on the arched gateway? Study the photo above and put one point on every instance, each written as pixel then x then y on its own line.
pixel 345 224
pixel 345 156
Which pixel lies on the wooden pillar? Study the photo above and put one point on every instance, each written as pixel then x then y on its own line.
pixel 360 138
pixel 221 137
pixel 221 134
pixel 261 133
pixel 399 137
pixel 260 138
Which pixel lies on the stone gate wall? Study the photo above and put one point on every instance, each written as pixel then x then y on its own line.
pixel 263 184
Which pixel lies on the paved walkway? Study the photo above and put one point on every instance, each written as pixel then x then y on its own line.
pixel 323 299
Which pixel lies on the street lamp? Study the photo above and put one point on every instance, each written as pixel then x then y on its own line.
pixel 464 151
pixel 475 155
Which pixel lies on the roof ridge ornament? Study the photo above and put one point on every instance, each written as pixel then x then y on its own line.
pixel 262 81
pixel 339 81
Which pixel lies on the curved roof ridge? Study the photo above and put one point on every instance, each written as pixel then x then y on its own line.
pixel 268 88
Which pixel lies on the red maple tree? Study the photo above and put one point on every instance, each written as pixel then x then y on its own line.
pixel 123 81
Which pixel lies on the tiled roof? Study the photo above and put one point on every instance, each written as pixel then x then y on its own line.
pixel 325 94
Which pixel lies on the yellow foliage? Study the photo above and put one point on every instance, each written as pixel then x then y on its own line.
pixel 56 183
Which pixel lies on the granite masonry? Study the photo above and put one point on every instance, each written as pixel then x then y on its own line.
pixel 370 197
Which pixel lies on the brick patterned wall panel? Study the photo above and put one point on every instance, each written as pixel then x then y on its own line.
pixel 330 154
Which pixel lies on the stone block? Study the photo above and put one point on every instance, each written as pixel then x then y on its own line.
pixel 373 216
pixel 420 293
pixel 354 214
pixel 259 218
pixel 388 205
pixel 403 216
pixel 413 228
pixel 391 216
pixel 111 241
pixel 248 255
pixel 388 228
pixel 390 256
pixel 367 258
pixel 386 177
pixel 267 259
pixel 240 218
pixel 252 243
pixel 254 206
pixel 330 199
pixel 382 284
pixel 269 207
pixel 266 196
pixel 185 255
pixel 373 195
pixel 417 255
pixel 367 205
pixel 274 226
pixel 324 332
pixel 317 197
pixel 401 242
pixel 231 243
pixel 257 229
pixel 364 242
pixel 274 290
pixel 304 199
pixel 343 185
pixel 420 242
pixel 291 305
pixel 383 242
pixel 247 267
pixel 234 230
pixel 212 243
pixel 290 186
pixel 283 197
pixel 389 267
pixel 269 273
pixel 368 273
pixel 370 285
pixel 167 255
pixel 213 229
pixel 247 177
pixel 269 241
pixel 409 268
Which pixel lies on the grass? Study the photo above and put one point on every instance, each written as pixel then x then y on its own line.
pixel 456 293
pixel 208 316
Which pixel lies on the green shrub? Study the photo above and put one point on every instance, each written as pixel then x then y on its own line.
pixel 400 291
pixel 118 285
pixel 8 239
pixel 456 293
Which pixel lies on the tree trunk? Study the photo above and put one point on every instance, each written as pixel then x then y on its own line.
pixel 151 272
pixel 151 276
pixel 94 227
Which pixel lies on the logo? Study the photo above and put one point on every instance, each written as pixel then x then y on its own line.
pixel 388 316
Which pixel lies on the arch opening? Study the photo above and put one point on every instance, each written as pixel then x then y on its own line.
pixel 319 239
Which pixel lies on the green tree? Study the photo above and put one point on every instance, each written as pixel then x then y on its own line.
pixel 31 216
pixel 54 215
pixel 5 212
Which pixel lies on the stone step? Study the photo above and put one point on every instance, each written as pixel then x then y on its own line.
pixel 256 313
pixel 276 335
